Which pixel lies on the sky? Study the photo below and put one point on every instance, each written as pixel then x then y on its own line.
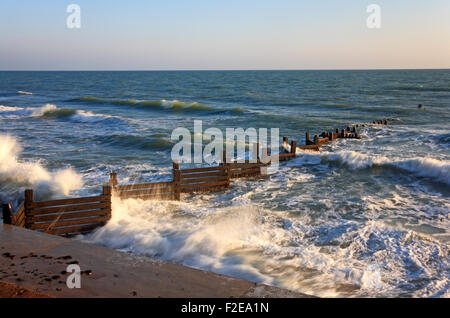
pixel 224 35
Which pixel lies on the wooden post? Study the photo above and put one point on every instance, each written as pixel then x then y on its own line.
pixel 356 133
pixel 343 133
pixel 107 194
pixel 29 199
pixel 293 147
pixel 331 135
pixel 176 180
pixel 224 157
pixel 257 152
pixel 113 181
pixel 228 173
pixel 7 214
pixel 316 139
pixel 285 142
pixel 308 139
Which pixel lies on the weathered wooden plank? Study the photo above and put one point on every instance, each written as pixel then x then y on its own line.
pixel 156 185
pixel 20 221
pixel 254 169
pixel 68 208
pixel 150 190
pixel 245 173
pixel 143 192
pixel 209 189
pixel 310 147
pixel 67 215
pixel 19 214
pixel 57 224
pixel 203 180
pixel 286 155
pixel 184 171
pixel 168 196
pixel 201 175
pixel 62 202
pixel 203 185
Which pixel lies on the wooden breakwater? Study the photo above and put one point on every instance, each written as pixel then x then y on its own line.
pixel 62 217
pixel 325 137
pixel 68 217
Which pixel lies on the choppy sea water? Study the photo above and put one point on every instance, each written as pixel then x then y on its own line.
pixel 363 218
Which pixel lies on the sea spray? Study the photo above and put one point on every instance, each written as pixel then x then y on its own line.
pixel 334 229
pixel 324 259
pixel 33 174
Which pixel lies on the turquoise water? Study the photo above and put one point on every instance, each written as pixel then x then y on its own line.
pixel 364 217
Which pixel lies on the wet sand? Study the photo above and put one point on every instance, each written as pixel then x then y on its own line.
pixel 13 291
pixel 34 264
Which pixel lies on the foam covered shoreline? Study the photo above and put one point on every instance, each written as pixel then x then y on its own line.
pixel 112 273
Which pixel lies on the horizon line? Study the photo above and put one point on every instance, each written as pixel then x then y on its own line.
pixel 226 70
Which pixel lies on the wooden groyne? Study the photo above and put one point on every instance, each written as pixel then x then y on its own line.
pixel 73 216
pixel 68 217
pixel 62 217
pixel 325 137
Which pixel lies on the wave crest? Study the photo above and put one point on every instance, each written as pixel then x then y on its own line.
pixel 50 111
pixel 13 170
pixel 424 167
pixel 174 105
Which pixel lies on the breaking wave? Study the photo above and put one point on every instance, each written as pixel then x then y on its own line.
pixel 50 111
pixel 275 248
pixel 163 104
pixel 438 170
pixel 32 174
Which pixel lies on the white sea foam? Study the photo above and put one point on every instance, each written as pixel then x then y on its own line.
pixel 89 117
pixel 47 183
pixel 24 93
pixel 436 169
pixel 50 110
pixel 38 112
pixel 6 109
pixel 273 248
pixel 425 167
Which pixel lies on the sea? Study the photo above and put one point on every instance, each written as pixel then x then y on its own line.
pixel 362 218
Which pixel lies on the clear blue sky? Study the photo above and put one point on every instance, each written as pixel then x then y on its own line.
pixel 231 34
